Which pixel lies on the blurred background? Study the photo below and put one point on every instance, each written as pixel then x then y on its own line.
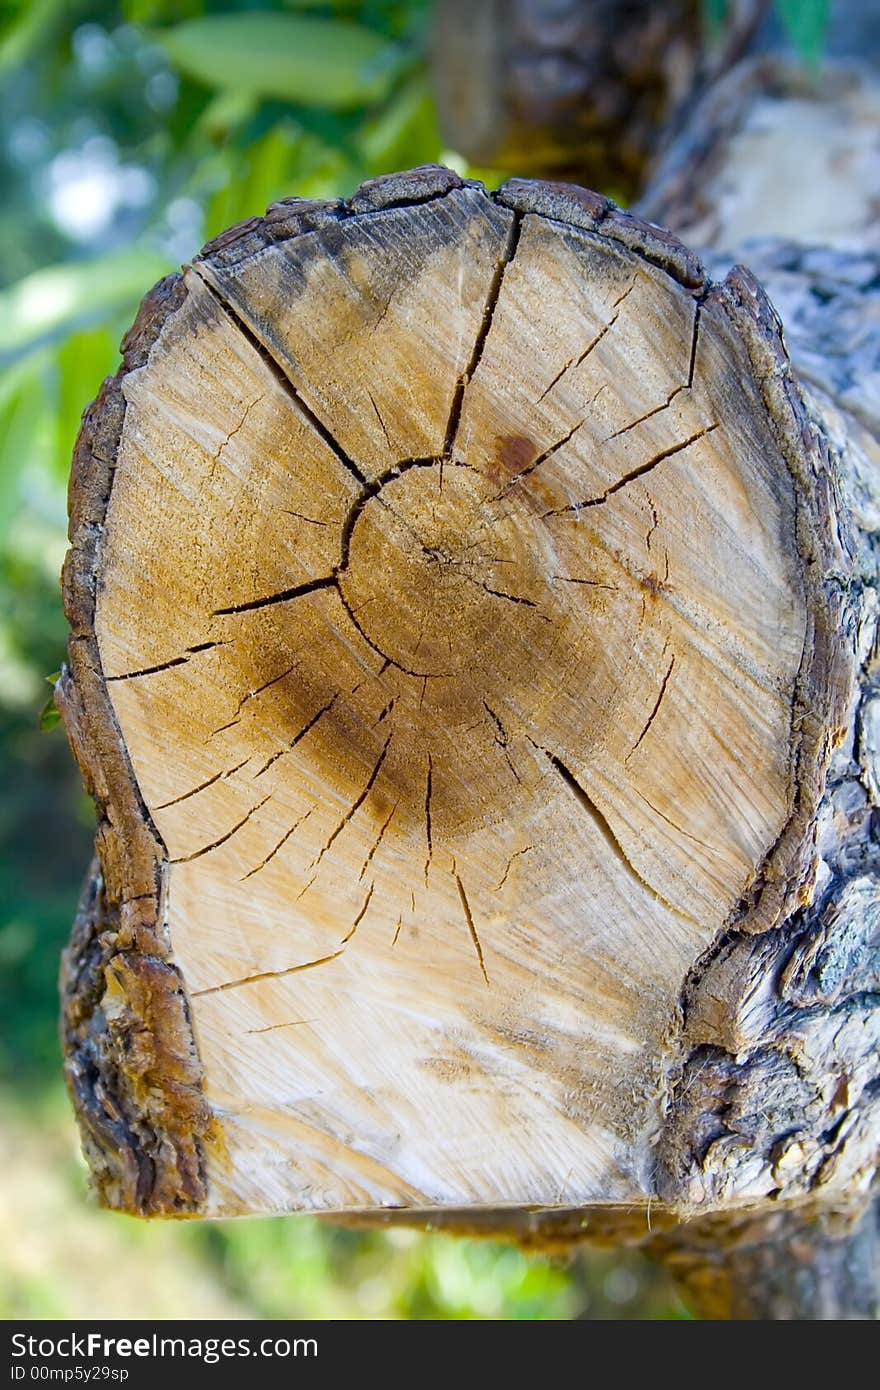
pixel 130 133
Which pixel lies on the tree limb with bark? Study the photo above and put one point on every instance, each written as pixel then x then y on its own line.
pixel 474 609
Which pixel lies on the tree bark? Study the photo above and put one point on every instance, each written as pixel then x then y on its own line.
pixel 781 169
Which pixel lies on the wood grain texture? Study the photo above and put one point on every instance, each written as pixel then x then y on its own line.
pixel 461 609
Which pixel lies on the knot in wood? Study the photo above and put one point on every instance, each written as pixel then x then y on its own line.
pixel 439 571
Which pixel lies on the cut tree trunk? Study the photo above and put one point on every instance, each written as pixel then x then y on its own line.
pixel 473 661
pixel 580 89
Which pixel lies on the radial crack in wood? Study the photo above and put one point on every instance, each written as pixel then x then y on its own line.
pixel 423 744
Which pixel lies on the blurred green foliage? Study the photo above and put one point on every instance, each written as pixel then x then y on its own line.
pixel 805 22
pixel 131 133
pixel 322 63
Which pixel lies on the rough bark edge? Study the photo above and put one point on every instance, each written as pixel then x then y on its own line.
pixel 580 207
pixel 132 1066
pixel 131 1062
pixel 824 690
pixel 131 854
pixel 292 217
pixel 777 1095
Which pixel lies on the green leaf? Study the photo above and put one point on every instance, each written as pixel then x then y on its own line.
pixel 227 111
pixel 404 132
pixel 716 14
pixel 806 23
pixel 286 160
pixel 19 39
pixel 49 715
pixel 299 58
pixel 24 414
pixel 82 361
pixel 51 300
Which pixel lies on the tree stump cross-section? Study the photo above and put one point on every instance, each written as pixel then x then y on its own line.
pixel 459 641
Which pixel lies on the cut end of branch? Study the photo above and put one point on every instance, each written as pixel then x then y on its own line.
pixel 452 667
